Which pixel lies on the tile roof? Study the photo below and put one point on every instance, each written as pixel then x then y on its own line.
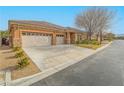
pixel 43 24
pixel 74 29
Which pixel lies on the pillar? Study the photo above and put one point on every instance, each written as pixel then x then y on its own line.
pixel 54 39
pixel 68 38
pixel 15 36
pixel 76 37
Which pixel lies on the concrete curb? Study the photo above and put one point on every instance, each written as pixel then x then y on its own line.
pixel 7 77
pixel 103 47
pixel 2 82
pixel 39 76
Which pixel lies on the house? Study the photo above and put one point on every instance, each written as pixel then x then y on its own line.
pixel 25 33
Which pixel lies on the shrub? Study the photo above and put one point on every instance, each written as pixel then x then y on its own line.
pixel 23 63
pixel 19 54
pixel 16 49
pixel 23 60
pixel 85 42
pixel 94 42
pixel 110 39
pixel 77 42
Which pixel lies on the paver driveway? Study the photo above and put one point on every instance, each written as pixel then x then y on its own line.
pixel 103 68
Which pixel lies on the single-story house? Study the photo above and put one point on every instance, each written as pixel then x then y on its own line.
pixel 25 33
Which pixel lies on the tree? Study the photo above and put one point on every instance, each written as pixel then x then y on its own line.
pixel 4 34
pixel 110 36
pixel 94 20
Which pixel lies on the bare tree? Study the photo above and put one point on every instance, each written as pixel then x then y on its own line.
pixel 94 20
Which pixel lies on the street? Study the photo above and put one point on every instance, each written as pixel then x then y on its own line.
pixel 106 68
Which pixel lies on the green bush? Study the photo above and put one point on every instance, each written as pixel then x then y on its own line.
pixel 94 42
pixel 85 42
pixel 23 63
pixel 77 42
pixel 16 49
pixel 19 54
pixel 23 60
pixel 110 39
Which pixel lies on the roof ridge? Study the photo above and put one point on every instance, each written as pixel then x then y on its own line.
pixel 34 22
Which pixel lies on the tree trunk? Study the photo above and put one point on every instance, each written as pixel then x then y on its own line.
pixel 97 36
pixel 100 37
pixel 89 35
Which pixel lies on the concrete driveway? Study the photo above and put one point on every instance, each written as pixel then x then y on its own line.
pixel 105 68
pixel 51 56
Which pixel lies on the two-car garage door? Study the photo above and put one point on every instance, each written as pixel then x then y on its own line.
pixel 36 39
pixel 39 39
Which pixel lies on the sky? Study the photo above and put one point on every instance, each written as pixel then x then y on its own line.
pixel 60 15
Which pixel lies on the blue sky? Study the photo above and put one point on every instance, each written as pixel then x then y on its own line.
pixel 62 15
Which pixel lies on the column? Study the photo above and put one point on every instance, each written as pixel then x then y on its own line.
pixel 54 39
pixel 76 37
pixel 68 38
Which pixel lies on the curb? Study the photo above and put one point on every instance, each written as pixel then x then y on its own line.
pixel 103 47
pixel 7 77
pixel 39 76
pixel 2 82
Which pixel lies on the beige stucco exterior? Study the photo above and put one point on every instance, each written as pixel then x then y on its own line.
pixel 18 28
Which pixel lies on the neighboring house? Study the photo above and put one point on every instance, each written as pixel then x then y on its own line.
pixel 40 33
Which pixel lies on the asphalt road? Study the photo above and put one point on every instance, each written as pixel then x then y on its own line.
pixel 105 68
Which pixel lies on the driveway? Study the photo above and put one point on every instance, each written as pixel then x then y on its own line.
pixel 51 56
pixel 105 68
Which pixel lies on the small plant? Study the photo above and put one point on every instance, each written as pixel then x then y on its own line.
pixel 85 42
pixel 23 63
pixel 23 60
pixel 110 39
pixel 95 42
pixel 19 54
pixel 77 42
pixel 16 49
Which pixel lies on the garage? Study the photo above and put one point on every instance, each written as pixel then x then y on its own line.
pixel 39 33
pixel 59 39
pixel 35 39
